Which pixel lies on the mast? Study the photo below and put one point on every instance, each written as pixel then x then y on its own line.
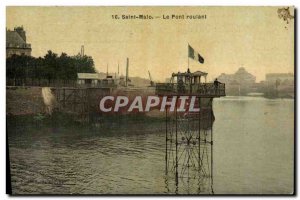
pixel 127 73
pixel 107 70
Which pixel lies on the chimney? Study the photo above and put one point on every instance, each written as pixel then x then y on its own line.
pixel 107 71
pixel 127 73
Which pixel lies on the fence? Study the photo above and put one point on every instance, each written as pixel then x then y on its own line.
pixel 202 89
pixel 56 83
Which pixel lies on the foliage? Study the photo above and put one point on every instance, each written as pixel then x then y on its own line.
pixel 39 117
pixel 51 67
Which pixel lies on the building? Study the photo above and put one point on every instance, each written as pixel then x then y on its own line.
pixel 241 76
pixel 279 85
pixel 96 80
pixel 16 43
pixel 239 83
pixel 88 78
pixel 283 78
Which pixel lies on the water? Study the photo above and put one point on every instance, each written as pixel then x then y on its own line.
pixel 254 145
pixel 253 154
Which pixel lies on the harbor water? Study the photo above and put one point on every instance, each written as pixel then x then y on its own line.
pixel 253 153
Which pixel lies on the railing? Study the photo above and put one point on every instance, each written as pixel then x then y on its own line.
pixel 96 85
pixel 56 83
pixel 202 89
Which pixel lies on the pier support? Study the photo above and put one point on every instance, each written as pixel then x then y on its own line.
pixel 189 147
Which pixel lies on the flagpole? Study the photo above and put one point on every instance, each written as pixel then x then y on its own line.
pixel 188 56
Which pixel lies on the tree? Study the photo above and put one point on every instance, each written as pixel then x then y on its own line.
pixel 67 70
pixel 84 64
pixel 51 67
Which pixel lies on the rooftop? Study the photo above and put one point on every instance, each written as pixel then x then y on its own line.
pixel 16 38
pixel 280 74
pixel 194 74
pixel 94 76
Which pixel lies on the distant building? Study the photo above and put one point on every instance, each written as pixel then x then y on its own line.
pixel 16 42
pixel 279 85
pixel 95 79
pixel 283 78
pixel 241 77
pixel 239 83
pixel 88 78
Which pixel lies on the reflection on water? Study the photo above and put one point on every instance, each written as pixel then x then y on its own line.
pixel 252 153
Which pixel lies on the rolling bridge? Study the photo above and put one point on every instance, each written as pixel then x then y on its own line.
pixel 189 136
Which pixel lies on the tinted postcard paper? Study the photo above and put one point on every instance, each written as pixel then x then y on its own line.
pixel 150 100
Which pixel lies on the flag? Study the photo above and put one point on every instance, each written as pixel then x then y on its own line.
pixel 195 55
pixel 200 58
pixel 191 52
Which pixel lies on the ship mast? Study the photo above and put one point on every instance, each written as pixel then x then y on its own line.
pixel 127 73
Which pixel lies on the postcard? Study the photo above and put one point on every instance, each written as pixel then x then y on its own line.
pixel 150 100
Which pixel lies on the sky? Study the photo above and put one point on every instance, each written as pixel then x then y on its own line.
pixel 230 37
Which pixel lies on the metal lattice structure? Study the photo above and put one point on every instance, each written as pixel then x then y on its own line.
pixel 189 151
pixel 189 136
